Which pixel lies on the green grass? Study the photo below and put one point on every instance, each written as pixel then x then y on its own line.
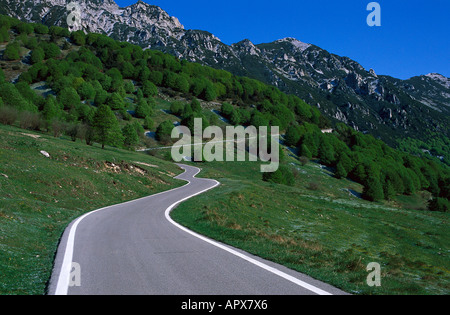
pixel 325 233
pixel 40 196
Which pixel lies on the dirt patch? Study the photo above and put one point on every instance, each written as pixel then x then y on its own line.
pixel 146 164
pixel 124 167
pixel 31 135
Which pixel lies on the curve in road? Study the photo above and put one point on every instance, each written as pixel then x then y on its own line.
pixel 135 248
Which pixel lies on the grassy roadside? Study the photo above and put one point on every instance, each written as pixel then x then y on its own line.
pixel 40 196
pixel 324 232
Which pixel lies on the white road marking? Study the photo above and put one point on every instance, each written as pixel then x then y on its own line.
pixel 238 254
pixel 62 286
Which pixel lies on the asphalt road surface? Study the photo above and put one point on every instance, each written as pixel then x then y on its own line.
pixel 136 249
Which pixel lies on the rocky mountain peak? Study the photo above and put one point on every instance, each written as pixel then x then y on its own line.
pixel 300 46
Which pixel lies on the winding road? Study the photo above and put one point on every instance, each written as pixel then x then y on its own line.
pixel 135 248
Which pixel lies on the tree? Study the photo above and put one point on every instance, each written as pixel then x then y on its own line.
pixel 37 55
pixel 177 108
pixel 12 98
pixel 304 151
pixel 51 50
pixel 326 151
pixel 4 35
pixel 181 84
pixel 373 190
pixel 86 91
pixel 78 37
pixel 130 136
pixel 106 127
pixel 227 109
pixel 12 51
pixel 69 98
pixel 116 102
pixel 143 109
pixel 196 106
pixel 209 93
pixel 51 109
pixel 101 96
pixel 341 172
pixel 149 89
pixel 164 130
pixel 235 118
pixel 149 123
pixel 293 135
pixel 283 176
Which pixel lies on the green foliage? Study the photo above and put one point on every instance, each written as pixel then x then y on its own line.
pixel 149 123
pixel 283 176
pixel 78 37
pixel 12 98
pixel 373 190
pixel 51 50
pixel 196 106
pixel 69 98
pixel 130 135
pixel 37 55
pixel 101 96
pixel 143 109
pixel 4 34
pixel 164 130
pixel 304 151
pixel 293 135
pixel 227 109
pixel 106 127
pixel 12 51
pixel 40 29
pixel 86 91
pixel 51 109
pixel 116 102
pixel 341 172
pixel 177 108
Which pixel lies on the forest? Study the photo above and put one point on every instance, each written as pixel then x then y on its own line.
pixel 94 78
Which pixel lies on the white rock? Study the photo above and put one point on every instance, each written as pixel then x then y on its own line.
pixel 45 154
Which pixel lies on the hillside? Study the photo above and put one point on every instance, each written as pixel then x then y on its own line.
pixel 40 196
pixel 387 108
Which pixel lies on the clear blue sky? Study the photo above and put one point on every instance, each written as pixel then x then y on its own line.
pixel 412 40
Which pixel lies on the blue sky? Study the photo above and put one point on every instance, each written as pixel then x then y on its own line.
pixel 413 38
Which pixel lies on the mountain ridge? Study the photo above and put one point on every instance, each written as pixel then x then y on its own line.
pixel 340 87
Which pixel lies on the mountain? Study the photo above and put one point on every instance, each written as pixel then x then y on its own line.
pixel 344 91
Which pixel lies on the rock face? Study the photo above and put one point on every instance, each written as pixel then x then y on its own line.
pixel 384 106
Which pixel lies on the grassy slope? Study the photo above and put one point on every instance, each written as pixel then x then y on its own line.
pixel 325 233
pixel 40 196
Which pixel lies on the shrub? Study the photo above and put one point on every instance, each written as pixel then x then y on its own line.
pixel 313 186
pixel 283 176
pixel 31 121
pixel 8 115
pixel 304 160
